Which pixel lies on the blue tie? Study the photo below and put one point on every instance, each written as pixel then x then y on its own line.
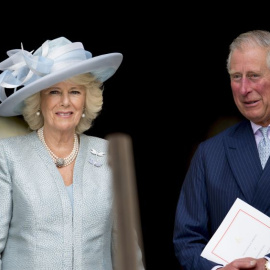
pixel 264 146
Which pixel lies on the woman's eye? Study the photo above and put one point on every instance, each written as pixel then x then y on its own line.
pixel 54 92
pixel 75 92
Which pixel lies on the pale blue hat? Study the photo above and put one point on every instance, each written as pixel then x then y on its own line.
pixel 27 73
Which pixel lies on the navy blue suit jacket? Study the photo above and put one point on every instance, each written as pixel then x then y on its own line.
pixel 223 168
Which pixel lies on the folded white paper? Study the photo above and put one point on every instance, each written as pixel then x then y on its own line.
pixel 244 232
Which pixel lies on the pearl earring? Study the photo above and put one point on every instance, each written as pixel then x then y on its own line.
pixel 38 113
pixel 83 114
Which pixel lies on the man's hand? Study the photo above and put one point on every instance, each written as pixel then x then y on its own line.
pixel 246 263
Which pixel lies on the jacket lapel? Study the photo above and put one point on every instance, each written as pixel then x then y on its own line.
pixel 243 158
pixel 261 199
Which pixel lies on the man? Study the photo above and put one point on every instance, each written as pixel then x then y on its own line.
pixel 227 166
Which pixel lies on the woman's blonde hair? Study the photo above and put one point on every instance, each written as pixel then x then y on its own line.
pixel 93 104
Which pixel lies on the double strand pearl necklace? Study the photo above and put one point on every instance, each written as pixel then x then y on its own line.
pixel 61 162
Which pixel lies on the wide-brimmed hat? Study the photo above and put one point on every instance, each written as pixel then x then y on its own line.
pixel 26 73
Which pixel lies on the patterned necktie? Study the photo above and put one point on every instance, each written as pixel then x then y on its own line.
pixel 264 146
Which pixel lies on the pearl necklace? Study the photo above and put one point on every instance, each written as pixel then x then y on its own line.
pixel 61 162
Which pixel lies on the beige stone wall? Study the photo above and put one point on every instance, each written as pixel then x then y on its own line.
pixel 12 126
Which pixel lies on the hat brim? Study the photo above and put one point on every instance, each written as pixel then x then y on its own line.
pixel 102 66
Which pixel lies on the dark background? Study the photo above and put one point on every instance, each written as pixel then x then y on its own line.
pixel 171 91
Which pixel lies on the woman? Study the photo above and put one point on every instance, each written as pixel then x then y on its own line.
pixel 55 183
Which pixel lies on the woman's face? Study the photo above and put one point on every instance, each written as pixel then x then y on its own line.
pixel 62 106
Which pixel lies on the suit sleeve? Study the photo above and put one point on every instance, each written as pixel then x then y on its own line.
pixel 5 200
pixel 191 220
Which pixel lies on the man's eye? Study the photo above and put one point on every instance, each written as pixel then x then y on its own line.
pixel 253 76
pixel 235 76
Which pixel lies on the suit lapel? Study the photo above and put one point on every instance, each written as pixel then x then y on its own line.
pixel 243 158
pixel 261 197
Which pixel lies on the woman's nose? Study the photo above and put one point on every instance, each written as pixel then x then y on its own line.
pixel 65 99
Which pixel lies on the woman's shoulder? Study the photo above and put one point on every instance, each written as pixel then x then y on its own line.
pixel 20 145
pixel 93 141
pixel 91 138
pixel 14 140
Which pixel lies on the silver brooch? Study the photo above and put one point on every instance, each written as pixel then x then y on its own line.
pixel 95 161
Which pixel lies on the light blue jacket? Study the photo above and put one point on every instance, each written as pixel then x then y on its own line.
pixel 38 229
